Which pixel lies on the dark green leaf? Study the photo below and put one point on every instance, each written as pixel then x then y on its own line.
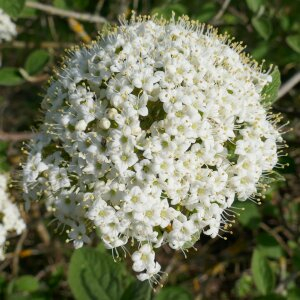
pixel 4 166
pixel 60 4
pixel 28 12
pixel 167 10
pixel 171 293
pixel 10 76
pixel 296 259
pixel 261 50
pixel 268 246
pixel 249 216
pixel 294 42
pixel 12 7
pixel 254 5
pixel 137 290
pixel 207 12
pixel 271 297
pixel 263 275
pixel 94 275
pixel 293 294
pixel 263 26
pixel 36 61
pixel 270 91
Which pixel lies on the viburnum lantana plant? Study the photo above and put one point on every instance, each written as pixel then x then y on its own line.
pixel 7 27
pixel 150 134
pixel 10 219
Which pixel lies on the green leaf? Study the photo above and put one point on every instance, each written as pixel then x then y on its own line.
pixel 263 275
pixel 294 42
pixel 270 297
pixel 60 4
pixel 194 238
pixel 167 10
pixel 296 259
pixel 137 290
pixel 12 7
pixel 249 216
pixel 29 12
pixel 26 283
pixel 293 294
pixel 268 246
pixel 171 293
pixel 207 12
pixel 10 76
pixel 243 286
pixel 270 91
pixel 94 275
pixel 254 5
pixel 36 61
pixel 4 166
pixel 263 26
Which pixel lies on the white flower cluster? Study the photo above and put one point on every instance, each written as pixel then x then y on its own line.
pixel 7 27
pixel 10 219
pixel 149 135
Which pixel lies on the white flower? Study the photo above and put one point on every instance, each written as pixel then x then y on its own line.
pixel 7 27
pixel 149 136
pixel 10 219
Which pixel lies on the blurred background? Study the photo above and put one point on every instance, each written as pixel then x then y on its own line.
pixel 37 261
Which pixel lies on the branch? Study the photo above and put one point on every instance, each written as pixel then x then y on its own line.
pixel 277 237
pixel 33 79
pixel 171 266
pixel 66 13
pixel 21 45
pixel 15 262
pixel 287 86
pixel 221 11
pixel 15 136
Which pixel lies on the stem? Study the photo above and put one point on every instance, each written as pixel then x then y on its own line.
pixel 66 13
pixel 287 86
pixel 222 10
pixel 15 136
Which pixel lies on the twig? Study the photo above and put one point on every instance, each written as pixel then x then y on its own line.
pixel 21 45
pixel 15 136
pixel 222 10
pixel 15 262
pixel 171 266
pixel 66 13
pixel 287 86
pixel 277 237
pixel 33 79
pixel 235 12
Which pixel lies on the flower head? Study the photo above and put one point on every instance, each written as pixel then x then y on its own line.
pixel 7 27
pixel 10 220
pixel 150 134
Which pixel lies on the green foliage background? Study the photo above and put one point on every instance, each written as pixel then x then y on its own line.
pixel 261 260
